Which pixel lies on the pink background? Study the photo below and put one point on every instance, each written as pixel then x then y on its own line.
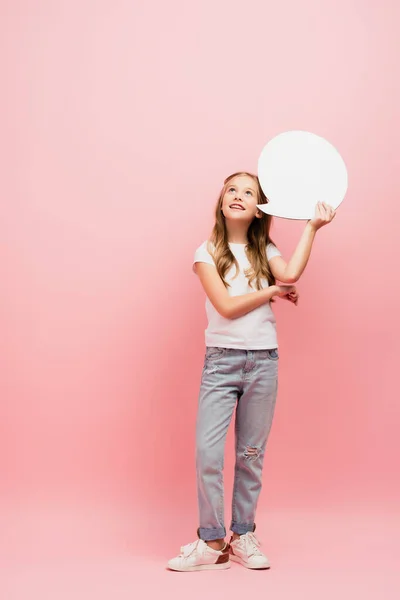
pixel 120 121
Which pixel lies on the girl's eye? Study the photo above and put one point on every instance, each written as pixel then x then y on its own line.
pixel 247 191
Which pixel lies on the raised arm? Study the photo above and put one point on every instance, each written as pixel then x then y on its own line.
pixel 291 271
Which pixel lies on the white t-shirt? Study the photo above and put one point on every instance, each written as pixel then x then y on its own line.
pixel 254 331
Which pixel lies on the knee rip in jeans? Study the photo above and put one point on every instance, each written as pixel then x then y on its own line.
pixel 251 453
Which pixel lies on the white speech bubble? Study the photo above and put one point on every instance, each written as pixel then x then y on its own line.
pixel 298 169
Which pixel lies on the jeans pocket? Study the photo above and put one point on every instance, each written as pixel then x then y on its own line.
pixel 273 354
pixel 270 354
pixel 213 352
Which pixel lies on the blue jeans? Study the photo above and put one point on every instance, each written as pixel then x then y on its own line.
pixel 245 380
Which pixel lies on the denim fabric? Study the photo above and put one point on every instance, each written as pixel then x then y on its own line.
pixel 244 382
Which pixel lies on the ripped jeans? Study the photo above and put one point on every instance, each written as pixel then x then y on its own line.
pixel 245 380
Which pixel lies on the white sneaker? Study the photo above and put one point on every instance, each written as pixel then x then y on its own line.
pixel 198 556
pixel 246 551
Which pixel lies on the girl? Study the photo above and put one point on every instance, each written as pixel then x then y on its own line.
pixel 237 268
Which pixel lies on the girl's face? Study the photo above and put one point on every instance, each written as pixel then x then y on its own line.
pixel 240 200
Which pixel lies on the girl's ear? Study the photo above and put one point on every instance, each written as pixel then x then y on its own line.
pixel 259 214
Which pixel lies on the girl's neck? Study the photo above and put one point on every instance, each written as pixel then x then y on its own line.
pixel 236 235
pixel 238 242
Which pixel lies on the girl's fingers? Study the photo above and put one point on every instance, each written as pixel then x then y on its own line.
pixel 330 213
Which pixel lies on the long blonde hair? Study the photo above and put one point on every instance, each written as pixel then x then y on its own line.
pixel 257 236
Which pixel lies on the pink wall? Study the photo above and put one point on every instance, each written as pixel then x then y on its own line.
pixel 121 121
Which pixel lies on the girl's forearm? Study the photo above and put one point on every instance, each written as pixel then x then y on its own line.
pixel 300 256
pixel 238 306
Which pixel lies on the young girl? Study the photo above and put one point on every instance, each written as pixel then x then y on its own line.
pixel 237 268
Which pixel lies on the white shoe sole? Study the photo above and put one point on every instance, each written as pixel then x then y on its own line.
pixel 212 567
pixel 246 564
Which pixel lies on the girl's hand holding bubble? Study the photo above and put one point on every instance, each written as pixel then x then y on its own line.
pixel 324 214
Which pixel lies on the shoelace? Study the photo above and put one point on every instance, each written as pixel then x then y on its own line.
pixel 190 548
pixel 251 544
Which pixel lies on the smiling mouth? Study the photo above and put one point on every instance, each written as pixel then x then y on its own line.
pixel 236 206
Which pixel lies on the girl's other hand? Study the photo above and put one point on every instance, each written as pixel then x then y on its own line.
pixel 293 297
pixel 324 214
pixel 289 292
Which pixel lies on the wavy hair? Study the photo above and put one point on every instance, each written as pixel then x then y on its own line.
pixel 257 236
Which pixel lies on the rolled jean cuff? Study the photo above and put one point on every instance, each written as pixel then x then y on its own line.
pixel 242 528
pixel 209 535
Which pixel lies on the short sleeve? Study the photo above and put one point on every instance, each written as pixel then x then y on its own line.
pixel 272 251
pixel 203 255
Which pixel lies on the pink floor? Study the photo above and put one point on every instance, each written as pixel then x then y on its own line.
pixel 100 553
